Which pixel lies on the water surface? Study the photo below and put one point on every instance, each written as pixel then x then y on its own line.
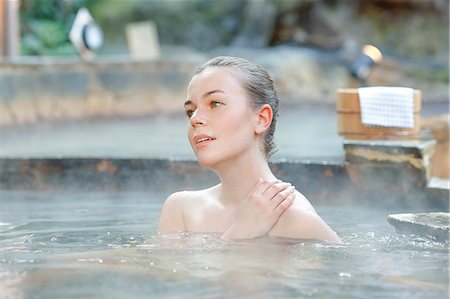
pixel 67 244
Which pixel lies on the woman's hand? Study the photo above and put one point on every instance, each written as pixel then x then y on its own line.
pixel 260 211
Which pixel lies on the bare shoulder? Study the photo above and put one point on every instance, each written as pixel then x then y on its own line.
pixel 301 221
pixel 178 208
pixel 181 196
pixel 171 218
pixel 187 198
pixel 301 203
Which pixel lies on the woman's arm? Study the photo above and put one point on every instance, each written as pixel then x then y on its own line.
pixel 171 218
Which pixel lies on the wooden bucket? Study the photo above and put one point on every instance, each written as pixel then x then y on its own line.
pixel 351 127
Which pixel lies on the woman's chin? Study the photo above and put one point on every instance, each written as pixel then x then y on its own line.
pixel 209 161
pixel 206 162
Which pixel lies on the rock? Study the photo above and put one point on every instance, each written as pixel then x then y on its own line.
pixel 304 23
pixel 300 74
pixel 432 224
pixel 258 25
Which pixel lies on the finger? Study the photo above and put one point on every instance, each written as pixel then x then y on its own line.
pixel 284 205
pixel 276 188
pixel 281 196
pixel 264 185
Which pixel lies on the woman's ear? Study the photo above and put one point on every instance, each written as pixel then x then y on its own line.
pixel 264 119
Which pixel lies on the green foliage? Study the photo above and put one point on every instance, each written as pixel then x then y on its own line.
pixel 407 34
pixel 201 24
pixel 45 26
pixel 432 75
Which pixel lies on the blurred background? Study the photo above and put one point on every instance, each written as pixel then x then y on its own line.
pixel 409 29
pixel 149 49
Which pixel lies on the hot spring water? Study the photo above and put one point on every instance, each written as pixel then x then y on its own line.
pixel 75 244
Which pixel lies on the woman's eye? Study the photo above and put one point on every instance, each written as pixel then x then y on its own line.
pixel 216 104
pixel 189 113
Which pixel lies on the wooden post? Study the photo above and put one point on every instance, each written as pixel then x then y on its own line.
pixel 2 28
pixel 9 28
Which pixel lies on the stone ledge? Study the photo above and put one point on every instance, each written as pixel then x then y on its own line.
pixel 433 224
pixel 415 153
pixel 438 183
pixel 387 149
pixel 330 183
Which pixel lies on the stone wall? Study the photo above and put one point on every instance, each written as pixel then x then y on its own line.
pixel 37 89
pixel 388 184
pixel 47 89
pixel 42 90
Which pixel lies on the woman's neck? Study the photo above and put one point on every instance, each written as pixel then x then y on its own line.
pixel 239 177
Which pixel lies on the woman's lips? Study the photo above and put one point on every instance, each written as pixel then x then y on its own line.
pixel 202 140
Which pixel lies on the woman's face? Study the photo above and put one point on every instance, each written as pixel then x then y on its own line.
pixel 221 122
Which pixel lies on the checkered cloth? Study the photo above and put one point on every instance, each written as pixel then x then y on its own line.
pixel 387 106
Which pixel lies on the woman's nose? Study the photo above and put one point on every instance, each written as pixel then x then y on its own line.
pixel 197 118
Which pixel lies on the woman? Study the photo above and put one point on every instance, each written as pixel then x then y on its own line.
pixel 232 107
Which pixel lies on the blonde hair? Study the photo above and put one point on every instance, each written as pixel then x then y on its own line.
pixel 259 86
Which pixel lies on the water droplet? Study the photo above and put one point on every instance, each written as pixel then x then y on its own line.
pixel 345 275
pixel 370 234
